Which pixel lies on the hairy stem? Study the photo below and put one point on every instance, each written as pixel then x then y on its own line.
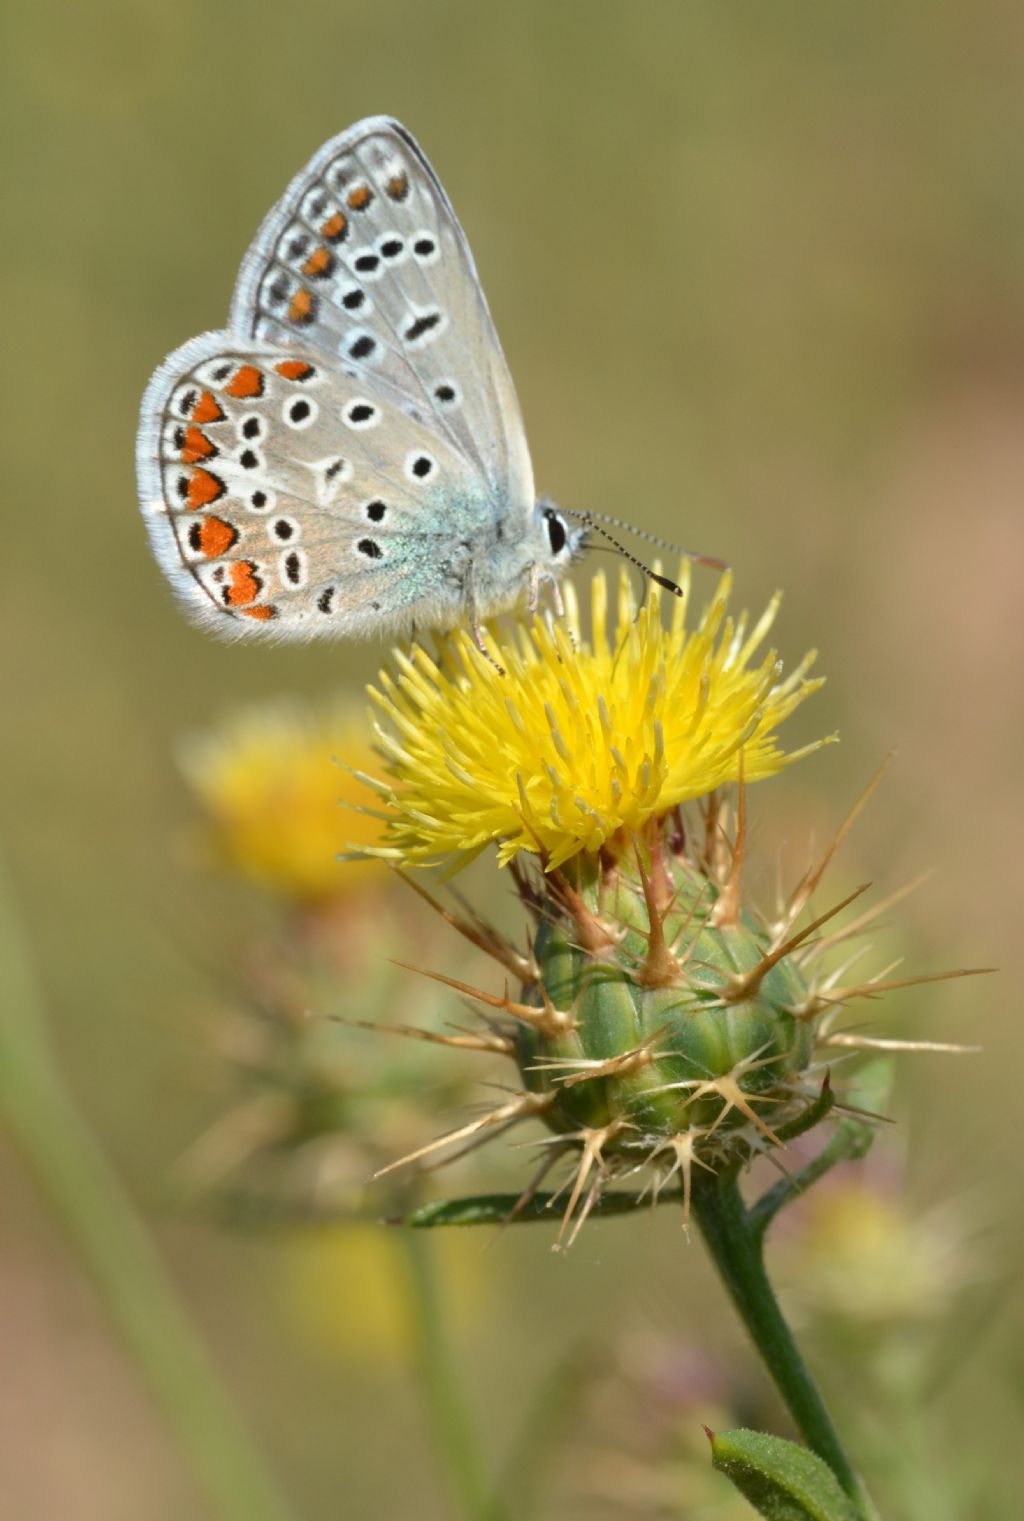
pixel 736 1248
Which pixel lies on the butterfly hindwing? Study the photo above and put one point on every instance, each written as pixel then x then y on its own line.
pixel 286 498
pixel 363 258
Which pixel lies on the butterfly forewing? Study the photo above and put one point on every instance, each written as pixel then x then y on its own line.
pixel 286 497
pixel 363 258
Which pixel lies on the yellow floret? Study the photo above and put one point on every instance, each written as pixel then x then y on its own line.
pixel 580 739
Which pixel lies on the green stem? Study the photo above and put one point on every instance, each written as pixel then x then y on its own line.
pixel 454 1429
pixel 112 1243
pixel 736 1248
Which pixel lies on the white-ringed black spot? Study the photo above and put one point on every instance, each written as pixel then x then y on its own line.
pixel 424 247
pixel 284 530
pixel 293 567
pixel 360 414
pixel 446 392
pixel 375 510
pixel 370 548
pixel 325 599
pixel 337 467
pixel 353 299
pixel 251 427
pixel 362 347
pixel 367 263
pixel 423 329
pixel 260 502
pixel 391 247
pixel 249 459
pixel 420 467
pixel 300 412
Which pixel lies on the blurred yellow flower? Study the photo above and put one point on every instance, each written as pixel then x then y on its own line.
pixel 857 1253
pixel 274 797
pixel 580 739
pixel 349 1287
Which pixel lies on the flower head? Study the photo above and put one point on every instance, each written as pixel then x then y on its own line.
pixel 582 740
pixel 270 788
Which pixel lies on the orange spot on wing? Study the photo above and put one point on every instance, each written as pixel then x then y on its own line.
pixel 334 228
pixel 294 369
pixel 215 537
pixel 360 198
pixel 207 410
pixel 203 488
pixel 244 584
pixel 260 614
pixel 246 381
pixel 196 446
pixel 398 187
pixel 319 263
pixel 301 306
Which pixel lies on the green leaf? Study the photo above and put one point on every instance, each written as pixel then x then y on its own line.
pixel 781 1480
pixel 502 1209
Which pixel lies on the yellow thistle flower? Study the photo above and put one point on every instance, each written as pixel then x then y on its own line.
pixel 581 740
pixel 272 791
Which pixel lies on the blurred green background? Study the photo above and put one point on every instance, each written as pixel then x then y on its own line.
pixel 759 274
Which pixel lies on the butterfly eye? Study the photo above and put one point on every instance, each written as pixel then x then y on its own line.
pixel 557 536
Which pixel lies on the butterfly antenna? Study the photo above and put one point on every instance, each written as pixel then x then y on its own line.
pixel 710 561
pixel 589 520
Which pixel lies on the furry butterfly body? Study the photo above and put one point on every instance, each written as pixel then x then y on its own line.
pixel 347 456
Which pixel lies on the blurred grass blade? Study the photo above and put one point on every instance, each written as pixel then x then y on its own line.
pixel 782 1481
pixel 112 1244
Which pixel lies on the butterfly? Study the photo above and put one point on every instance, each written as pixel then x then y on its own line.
pixel 347 455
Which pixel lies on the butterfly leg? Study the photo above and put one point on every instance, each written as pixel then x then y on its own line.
pixel 534 597
pixel 472 618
